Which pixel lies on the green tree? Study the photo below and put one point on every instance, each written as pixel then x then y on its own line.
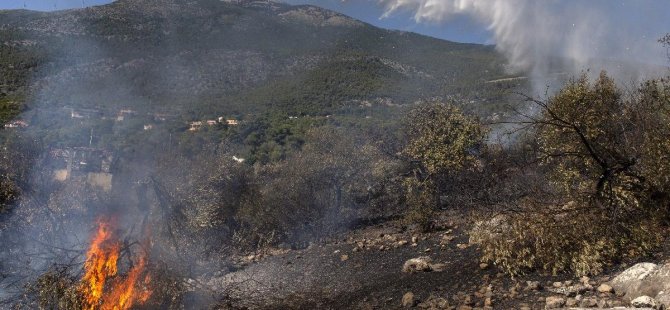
pixel 442 138
pixel 442 142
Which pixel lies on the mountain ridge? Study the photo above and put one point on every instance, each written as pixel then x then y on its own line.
pixel 201 55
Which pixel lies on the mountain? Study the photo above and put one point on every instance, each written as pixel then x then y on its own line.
pixel 172 54
pixel 280 69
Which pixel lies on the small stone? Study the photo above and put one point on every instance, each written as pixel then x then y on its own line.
pixel 602 303
pixel 468 300
pixel 644 302
pixel 584 280
pixel 344 257
pixel 483 266
pixel 557 284
pixel 605 288
pixel 439 267
pixel 533 286
pixel 447 238
pixel 418 264
pixel 554 302
pixel 434 303
pixel 589 302
pixel 415 239
pixel 402 242
pixel 462 246
pixel 408 300
pixel 488 302
pixel 571 302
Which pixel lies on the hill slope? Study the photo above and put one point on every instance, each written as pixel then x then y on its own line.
pixel 209 54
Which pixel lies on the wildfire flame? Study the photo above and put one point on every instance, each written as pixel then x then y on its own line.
pixel 101 268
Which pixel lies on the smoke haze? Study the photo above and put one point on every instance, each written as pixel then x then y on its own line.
pixel 548 37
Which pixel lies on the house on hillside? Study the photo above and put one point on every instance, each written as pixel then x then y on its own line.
pixel 90 165
pixel 229 122
pixel 16 124
pixel 123 113
pixel 84 113
pixel 75 114
pixel 195 126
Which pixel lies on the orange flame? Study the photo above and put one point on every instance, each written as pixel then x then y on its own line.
pixel 101 265
pixel 125 292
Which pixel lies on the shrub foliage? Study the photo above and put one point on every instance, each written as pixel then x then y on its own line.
pixel 601 150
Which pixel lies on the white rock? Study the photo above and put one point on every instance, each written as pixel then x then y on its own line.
pixel 408 300
pixel 418 264
pixel 633 281
pixel 605 288
pixel 554 302
pixel 664 299
pixel 644 302
pixel 637 272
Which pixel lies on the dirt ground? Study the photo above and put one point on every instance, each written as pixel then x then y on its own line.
pixel 363 270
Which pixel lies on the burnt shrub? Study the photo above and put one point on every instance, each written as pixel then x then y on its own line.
pixel 599 197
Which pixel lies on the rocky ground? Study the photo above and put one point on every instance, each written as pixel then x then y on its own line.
pixel 386 267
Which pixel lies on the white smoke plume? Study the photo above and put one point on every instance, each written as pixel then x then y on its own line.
pixel 548 37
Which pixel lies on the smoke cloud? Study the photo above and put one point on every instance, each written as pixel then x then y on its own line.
pixel 550 37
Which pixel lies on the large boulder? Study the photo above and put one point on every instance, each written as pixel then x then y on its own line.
pixel 644 279
pixel 635 281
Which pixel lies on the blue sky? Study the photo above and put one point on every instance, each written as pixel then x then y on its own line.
pixel 48 5
pixel 459 29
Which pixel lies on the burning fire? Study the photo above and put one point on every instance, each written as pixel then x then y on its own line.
pixel 101 268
